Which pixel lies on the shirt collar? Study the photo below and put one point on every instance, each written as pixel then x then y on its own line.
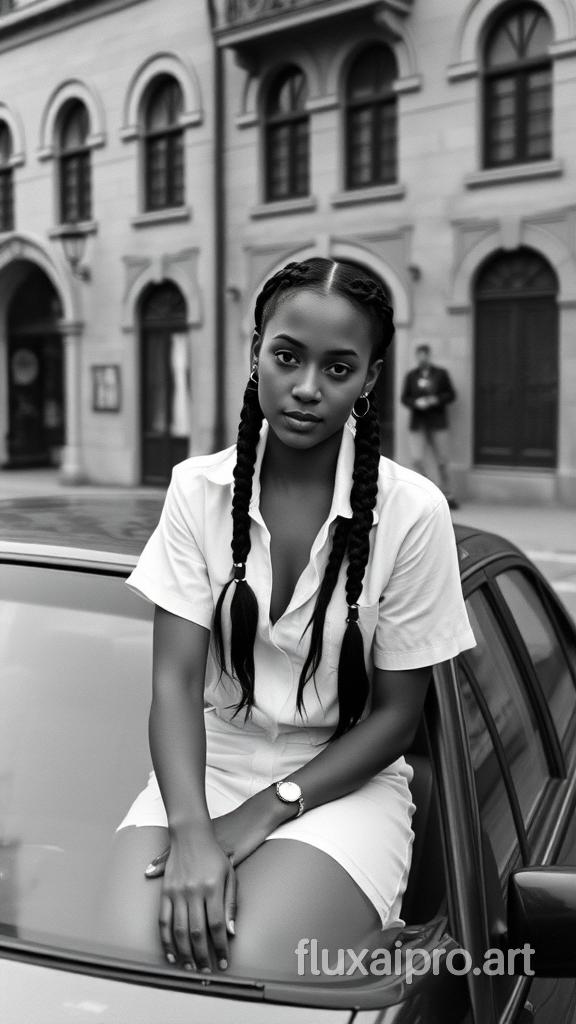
pixel 223 473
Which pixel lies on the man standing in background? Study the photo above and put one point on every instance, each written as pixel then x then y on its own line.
pixel 427 390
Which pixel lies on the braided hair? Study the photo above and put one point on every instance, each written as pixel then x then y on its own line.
pixel 351 537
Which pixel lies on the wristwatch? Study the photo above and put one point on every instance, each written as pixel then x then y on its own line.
pixel 290 793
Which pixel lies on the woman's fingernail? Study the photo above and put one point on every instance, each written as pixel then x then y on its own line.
pixel 232 927
pixel 206 970
pixel 222 964
pixel 188 967
pixel 171 958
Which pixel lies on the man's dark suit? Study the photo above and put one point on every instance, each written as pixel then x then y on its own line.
pixel 432 381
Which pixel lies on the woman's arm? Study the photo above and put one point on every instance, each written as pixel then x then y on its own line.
pixel 342 766
pixel 199 885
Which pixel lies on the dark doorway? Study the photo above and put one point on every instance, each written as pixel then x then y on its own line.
pixel 165 382
pixel 36 429
pixel 516 362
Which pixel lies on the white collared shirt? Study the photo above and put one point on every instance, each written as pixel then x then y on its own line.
pixel 411 610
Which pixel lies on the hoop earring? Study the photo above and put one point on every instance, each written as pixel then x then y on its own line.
pixel 361 415
pixel 253 378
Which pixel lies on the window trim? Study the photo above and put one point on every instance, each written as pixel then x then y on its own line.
pixel 386 96
pixel 173 135
pixel 291 120
pixel 520 70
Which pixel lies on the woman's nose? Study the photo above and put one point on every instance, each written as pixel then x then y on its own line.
pixel 307 387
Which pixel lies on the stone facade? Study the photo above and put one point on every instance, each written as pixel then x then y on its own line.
pixel 107 54
pixel 428 234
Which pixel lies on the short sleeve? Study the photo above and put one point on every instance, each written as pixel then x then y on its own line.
pixel 422 614
pixel 171 571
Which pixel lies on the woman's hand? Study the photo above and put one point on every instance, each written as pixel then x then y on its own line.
pixel 198 903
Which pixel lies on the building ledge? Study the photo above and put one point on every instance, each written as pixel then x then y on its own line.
pixel 283 207
pixel 240 22
pixel 515 173
pixel 375 194
pixel 81 227
pixel 30 17
pixel 152 217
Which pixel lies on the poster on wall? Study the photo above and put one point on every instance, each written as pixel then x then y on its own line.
pixel 106 388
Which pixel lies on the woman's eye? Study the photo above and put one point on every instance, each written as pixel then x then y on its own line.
pixel 286 358
pixel 339 370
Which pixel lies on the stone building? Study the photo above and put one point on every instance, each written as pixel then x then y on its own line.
pixel 106 237
pixel 433 142
pixel 159 158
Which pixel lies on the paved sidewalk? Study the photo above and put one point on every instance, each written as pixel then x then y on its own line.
pixel 535 528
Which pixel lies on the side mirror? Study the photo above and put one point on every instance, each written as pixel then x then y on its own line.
pixel 542 916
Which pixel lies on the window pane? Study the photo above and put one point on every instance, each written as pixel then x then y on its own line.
pixel 372 74
pixel 301 158
pixel 502 687
pixel 157 172
pixel 6 201
pixel 164 106
pixel 279 162
pixel 543 646
pixel 72 742
pixel 386 163
pixel 493 801
pixel 5 144
pixel 176 165
pixel 360 143
pixel 75 127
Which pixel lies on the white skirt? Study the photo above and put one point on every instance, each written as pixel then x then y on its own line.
pixel 368 831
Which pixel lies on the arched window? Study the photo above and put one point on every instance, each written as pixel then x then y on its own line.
pixel 6 180
pixel 518 88
pixel 516 361
pixel 287 137
pixel 164 146
pixel 74 160
pixel 371 119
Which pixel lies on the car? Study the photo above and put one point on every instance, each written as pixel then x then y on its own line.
pixel 490 908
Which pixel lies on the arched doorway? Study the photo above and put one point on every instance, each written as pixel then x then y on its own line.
pixel 36 427
pixel 165 381
pixel 516 362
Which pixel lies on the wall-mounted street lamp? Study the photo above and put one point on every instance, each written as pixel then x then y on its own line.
pixel 74 244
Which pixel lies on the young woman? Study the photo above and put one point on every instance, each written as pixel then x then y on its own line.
pixel 288 676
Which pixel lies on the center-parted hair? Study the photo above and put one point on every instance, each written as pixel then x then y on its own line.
pixel 351 537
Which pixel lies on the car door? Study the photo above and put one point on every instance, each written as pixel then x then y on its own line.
pixel 519 701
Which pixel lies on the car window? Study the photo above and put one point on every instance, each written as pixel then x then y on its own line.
pixel 493 798
pixel 543 645
pixel 499 681
pixel 76 652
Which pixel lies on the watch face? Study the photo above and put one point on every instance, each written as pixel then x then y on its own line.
pixel 289 791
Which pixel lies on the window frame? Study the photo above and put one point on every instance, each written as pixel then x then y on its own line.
pixel 7 182
pixel 80 158
pixel 173 191
pixel 520 72
pixel 384 98
pixel 550 798
pixel 293 120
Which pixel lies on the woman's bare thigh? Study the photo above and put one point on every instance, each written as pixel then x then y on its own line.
pixel 288 892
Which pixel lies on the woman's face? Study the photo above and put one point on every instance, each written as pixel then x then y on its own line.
pixel 314 361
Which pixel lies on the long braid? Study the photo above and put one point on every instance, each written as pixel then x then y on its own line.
pixel 244 604
pixel 351 666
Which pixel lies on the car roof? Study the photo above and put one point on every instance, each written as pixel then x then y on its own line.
pixel 120 523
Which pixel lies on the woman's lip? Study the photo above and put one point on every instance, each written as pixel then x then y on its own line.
pixel 303 417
